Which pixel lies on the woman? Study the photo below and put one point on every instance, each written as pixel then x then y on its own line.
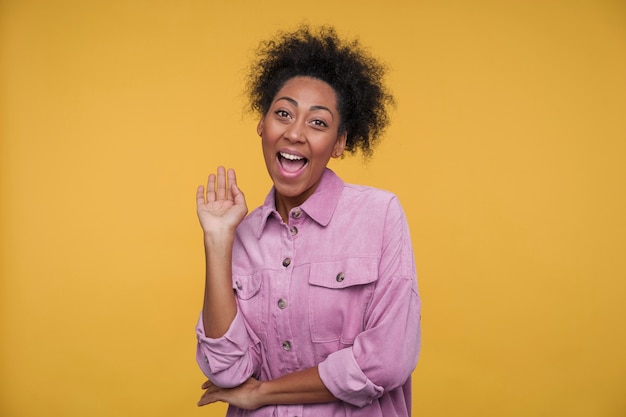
pixel 311 305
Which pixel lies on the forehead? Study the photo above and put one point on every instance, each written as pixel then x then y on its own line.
pixel 308 91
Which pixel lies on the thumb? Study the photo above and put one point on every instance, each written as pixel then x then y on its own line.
pixel 238 196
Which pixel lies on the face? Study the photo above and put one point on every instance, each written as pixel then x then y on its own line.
pixel 299 135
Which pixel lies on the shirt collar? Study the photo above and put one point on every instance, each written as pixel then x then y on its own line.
pixel 320 206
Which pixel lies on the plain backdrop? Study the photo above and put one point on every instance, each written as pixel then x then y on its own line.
pixel 507 150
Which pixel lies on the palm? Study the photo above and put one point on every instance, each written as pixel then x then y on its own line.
pixel 223 206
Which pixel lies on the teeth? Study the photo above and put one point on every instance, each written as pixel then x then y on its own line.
pixel 291 157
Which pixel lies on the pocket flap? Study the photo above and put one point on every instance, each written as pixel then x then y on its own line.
pixel 246 286
pixel 344 273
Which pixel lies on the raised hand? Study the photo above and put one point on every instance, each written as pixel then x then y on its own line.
pixel 223 206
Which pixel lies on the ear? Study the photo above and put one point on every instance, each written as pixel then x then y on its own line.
pixel 340 145
pixel 259 126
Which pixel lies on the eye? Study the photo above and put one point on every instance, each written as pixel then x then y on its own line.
pixel 282 114
pixel 319 123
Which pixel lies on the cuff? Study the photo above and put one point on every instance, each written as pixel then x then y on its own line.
pixel 343 377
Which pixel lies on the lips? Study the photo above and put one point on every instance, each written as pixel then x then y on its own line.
pixel 291 163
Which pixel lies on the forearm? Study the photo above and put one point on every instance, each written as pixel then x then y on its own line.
pixel 219 307
pixel 302 387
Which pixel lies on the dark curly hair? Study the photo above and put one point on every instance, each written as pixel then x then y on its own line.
pixel 356 77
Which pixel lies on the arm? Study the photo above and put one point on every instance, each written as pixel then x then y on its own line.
pixel 302 387
pixel 227 352
pixel 383 356
pixel 219 213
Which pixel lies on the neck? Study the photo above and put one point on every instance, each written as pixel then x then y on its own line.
pixel 285 204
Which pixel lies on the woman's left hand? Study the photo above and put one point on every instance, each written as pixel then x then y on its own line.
pixel 244 396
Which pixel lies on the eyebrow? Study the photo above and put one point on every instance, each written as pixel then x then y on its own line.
pixel 295 103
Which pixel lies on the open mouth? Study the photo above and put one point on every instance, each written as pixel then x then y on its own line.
pixel 291 163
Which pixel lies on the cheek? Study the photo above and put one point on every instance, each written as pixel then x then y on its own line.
pixel 268 139
pixel 268 150
pixel 327 147
pixel 272 132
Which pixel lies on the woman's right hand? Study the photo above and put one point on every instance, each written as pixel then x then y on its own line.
pixel 223 206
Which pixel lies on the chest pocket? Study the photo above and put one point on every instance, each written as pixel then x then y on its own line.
pixel 339 293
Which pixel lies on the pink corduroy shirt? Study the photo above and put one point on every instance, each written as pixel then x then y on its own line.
pixel 335 287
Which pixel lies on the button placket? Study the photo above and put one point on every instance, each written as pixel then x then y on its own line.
pixel 281 313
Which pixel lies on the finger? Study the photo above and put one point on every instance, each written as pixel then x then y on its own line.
pixel 232 181
pixel 221 184
pixel 206 399
pixel 209 396
pixel 210 189
pixel 200 196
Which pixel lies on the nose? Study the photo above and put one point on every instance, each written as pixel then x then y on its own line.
pixel 295 132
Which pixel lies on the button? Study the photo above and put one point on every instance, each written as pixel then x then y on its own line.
pixel 296 213
pixel 341 276
pixel 286 262
pixel 293 230
pixel 206 359
pixel 282 304
pixel 287 345
pixel 239 286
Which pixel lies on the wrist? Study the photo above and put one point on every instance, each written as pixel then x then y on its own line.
pixel 217 238
pixel 259 396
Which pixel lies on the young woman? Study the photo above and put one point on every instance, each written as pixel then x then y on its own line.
pixel 311 305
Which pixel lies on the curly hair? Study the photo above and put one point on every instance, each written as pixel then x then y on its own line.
pixel 356 77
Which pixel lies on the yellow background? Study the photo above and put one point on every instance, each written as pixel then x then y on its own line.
pixel 507 149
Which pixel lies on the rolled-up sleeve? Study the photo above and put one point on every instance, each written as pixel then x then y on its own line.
pixel 227 361
pixel 385 354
